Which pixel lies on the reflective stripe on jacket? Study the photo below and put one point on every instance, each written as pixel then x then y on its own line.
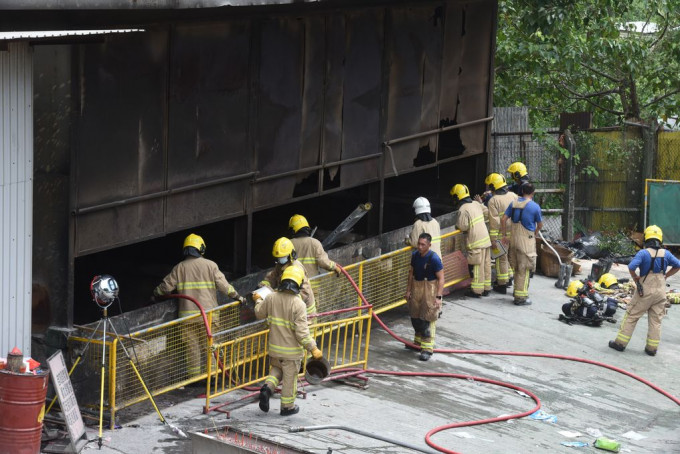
pixel 273 280
pixel 471 220
pixel 311 254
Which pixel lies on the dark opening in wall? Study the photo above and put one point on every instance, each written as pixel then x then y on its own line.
pixel 450 144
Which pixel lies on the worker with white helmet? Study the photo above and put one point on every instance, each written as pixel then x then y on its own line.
pixel 425 223
pixel 650 297
pixel 309 250
pixel 199 278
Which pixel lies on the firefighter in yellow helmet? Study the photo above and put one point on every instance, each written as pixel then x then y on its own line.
pixel 526 220
pixel 289 337
pixel 425 223
pixel 309 250
pixel 199 278
pixel 497 204
pixel 471 215
pixel 650 298
pixel 518 172
pixel 285 256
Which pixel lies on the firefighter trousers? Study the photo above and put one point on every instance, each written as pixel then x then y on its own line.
pixel 285 372
pixel 522 256
pixel 653 303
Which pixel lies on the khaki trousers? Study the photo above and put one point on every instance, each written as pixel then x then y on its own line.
pixel 424 309
pixel 522 257
pixel 284 371
pixel 480 260
pixel 653 303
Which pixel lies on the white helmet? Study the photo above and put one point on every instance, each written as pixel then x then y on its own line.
pixel 421 205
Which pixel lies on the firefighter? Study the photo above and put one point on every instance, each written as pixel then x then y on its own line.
pixel 525 215
pixel 518 172
pixel 288 339
pixel 650 297
pixel 199 278
pixel 499 201
pixel 425 223
pixel 285 256
pixel 424 293
pixel 471 215
pixel 309 250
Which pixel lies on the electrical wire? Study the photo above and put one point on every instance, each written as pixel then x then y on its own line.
pixel 432 432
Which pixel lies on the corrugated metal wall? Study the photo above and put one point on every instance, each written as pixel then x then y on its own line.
pixel 16 196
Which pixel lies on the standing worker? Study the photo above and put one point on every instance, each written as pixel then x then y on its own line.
pixel 285 256
pixel 518 172
pixel 651 291
pixel 424 293
pixel 309 250
pixel 525 215
pixel 498 203
pixel 288 339
pixel 199 278
pixel 471 216
pixel 425 223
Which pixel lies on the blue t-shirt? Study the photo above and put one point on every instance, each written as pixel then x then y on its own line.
pixel 643 260
pixel 425 268
pixel 530 215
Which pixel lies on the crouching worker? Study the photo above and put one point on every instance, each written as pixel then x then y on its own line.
pixel 424 294
pixel 288 339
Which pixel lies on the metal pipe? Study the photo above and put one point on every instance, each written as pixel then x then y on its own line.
pixel 436 131
pixel 346 225
pixel 361 432
pixel 156 195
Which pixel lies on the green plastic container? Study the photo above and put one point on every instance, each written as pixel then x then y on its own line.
pixel 607 444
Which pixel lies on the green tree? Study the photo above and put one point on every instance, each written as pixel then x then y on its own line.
pixel 619 59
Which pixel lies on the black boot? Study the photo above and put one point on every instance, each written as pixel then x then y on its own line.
pixel 502 289
pixel 650 352
pixel 290 411
pixel 265 394
pixel 616 346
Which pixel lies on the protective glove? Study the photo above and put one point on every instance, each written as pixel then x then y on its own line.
pixel 316 353
pixel 241 299
pixel 337 271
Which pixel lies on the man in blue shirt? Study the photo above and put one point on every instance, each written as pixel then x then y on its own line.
pixel 424 294
pixel 525 215
pixel 651 291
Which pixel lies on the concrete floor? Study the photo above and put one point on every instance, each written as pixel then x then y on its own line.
pixel 581 397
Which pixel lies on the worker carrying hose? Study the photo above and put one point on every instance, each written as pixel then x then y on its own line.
pixel 520 176
pixel 497 204
pixel 471 217
pixel 309 250
pixel 199 278
pixel 285 256
pixel 289 337
pixel 525 215
pixel 425 223
pixel 424 293
pixel 650 296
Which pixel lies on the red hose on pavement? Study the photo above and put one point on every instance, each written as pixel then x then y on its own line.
pixel 485 380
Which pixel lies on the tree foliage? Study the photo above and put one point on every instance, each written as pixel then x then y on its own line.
pixel 587 55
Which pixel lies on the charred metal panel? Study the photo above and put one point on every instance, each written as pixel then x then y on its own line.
pixel 279 119
pixel 415 55
pixel 121 139
pixel 361 104
pixel 208 121
pixel 476 51
pixel 331 149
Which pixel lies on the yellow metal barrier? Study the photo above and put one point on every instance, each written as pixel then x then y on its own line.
pixel 160 351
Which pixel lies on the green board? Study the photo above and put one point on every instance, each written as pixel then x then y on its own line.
pixel 663 198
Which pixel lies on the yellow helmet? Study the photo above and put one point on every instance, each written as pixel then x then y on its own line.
pixel 283 247
pixel 653 232
pixel 495 181
pixel 517 170
pixel 195 241
pixel 459 192
pixel 293 273
pixel 573 288
pixel 607 280
pixel 297 221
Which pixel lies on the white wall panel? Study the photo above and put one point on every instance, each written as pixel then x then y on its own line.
pixel 16 196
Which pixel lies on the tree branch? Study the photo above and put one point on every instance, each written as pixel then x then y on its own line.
pixel 600 73
pixel 659 98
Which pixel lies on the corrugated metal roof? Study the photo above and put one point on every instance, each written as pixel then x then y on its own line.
pixel 11 36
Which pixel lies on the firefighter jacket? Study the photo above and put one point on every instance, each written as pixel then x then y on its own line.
pixel 288 330
pixel 431 227
pixel 273 280
pixel 198 278
pixel 471 220
pixel 497 206
pixel 311 254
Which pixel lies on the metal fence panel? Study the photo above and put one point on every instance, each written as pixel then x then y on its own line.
pixel 659 196
pixel 668 155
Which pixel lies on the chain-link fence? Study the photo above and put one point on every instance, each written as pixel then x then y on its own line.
pixel 668 156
